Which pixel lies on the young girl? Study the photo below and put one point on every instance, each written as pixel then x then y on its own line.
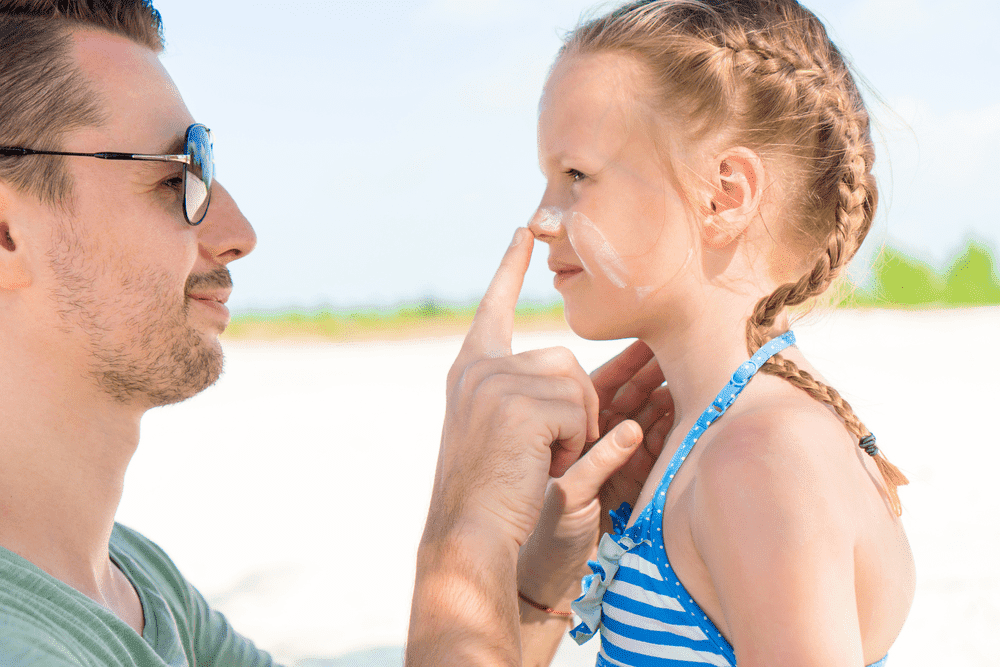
pixel 709 167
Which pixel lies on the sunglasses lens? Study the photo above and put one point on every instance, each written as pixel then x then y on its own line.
pixel 201 171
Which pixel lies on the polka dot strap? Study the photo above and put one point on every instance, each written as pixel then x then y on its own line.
pixel 725 398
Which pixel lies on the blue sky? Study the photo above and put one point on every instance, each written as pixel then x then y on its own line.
pixel 385 150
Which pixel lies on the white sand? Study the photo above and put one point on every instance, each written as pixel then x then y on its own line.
pixel 293 492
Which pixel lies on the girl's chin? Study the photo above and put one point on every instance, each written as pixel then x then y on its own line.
pixel 602 325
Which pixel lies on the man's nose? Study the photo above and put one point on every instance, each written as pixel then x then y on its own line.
pixel 225 234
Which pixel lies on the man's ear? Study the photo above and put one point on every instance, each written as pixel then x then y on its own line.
pixel 736 189
pixel 14 271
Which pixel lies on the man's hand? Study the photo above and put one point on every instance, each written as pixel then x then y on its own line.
pixel 511 420
pixel 630 386
pixel 576 507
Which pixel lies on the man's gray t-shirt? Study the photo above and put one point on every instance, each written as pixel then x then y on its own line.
pixel 46 623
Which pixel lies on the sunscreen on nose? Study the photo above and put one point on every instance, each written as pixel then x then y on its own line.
pixel 549 220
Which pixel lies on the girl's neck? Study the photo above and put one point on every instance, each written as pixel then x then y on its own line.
pixel 698 358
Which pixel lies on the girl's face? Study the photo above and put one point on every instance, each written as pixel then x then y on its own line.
pixel 620 237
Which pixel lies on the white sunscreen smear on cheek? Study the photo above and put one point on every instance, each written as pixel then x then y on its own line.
pixel 584 235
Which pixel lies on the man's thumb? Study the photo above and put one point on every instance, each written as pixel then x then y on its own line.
pixel 588 475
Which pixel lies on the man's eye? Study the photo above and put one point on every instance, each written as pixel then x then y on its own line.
pixel 175 183
pixel 575 175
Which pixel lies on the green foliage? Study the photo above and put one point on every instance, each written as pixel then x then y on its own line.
pixel 904 281
pixel 972 279
pixel 898 280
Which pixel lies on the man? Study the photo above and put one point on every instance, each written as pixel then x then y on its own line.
pixel 114 244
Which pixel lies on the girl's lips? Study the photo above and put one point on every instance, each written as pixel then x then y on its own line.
pixel 564 271
pixel 563 277
pixel 559 266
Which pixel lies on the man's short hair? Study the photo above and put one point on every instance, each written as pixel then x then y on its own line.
pixel 42 94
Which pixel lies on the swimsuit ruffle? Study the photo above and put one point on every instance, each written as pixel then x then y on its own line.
pixel 609 554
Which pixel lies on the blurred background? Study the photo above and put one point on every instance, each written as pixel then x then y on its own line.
pixel 384 151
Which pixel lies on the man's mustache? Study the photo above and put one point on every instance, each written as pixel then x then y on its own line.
pixel 218 278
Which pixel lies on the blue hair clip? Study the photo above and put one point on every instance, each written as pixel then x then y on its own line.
pixel 868 444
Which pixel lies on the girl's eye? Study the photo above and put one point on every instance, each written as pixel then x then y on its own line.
pixel 575 175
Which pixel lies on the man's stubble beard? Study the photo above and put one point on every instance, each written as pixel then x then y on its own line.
pixel 152 356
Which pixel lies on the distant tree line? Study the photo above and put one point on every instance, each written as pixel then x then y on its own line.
pixel 900 280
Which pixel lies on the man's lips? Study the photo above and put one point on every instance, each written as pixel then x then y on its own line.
pixel 214 300
pixel 219 297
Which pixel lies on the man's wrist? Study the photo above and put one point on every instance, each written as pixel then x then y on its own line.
pixel 471 522
pixel 466 538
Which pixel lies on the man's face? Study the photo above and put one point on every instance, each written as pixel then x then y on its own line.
pixel 132 282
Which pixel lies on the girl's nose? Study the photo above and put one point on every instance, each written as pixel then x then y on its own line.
pixel 547 224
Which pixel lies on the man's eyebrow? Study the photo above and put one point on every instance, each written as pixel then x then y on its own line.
pixel 175 147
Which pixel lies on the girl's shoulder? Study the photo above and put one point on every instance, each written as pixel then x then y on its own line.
pixel 784 452
pixel 783 494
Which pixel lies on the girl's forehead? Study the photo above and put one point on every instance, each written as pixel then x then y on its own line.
pixel 608 77
pixel 589 99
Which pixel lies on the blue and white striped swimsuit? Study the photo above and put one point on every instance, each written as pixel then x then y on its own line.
pixel 644 613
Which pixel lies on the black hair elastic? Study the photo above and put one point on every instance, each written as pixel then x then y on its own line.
pixel 868 444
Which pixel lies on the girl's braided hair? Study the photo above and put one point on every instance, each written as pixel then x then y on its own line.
pixel 766 72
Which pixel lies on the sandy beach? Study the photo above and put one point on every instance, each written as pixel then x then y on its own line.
pixel 293 493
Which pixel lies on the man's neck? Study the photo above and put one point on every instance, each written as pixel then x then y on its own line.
pixel 64 450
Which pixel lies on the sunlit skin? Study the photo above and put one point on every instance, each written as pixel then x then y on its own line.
pixel 599 162
pixel 779 468
pixel 103 283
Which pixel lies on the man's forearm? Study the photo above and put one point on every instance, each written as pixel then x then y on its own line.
pixel 465 603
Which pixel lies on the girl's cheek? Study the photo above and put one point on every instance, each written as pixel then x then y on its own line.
pixel 595 252
pixel 599 256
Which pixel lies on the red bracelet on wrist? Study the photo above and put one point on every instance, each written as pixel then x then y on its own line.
pixel 541 607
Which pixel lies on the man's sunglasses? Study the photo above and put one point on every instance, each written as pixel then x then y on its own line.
pixel 199 167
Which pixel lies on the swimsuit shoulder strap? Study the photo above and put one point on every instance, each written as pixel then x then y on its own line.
pixel 722 401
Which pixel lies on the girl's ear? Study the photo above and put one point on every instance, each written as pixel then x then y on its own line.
pixel 14 271
pixel 736 190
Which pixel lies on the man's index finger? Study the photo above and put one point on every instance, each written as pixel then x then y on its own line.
pixel 493 323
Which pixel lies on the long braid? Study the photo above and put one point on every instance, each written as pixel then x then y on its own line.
pixel 767 72
pixel 847 137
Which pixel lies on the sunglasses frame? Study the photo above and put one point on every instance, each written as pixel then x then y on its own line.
pixel 186 159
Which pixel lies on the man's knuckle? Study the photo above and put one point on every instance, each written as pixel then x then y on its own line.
pixel 513 407
pixel 563 359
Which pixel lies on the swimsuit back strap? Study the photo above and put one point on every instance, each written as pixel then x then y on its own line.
pixel 719 406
